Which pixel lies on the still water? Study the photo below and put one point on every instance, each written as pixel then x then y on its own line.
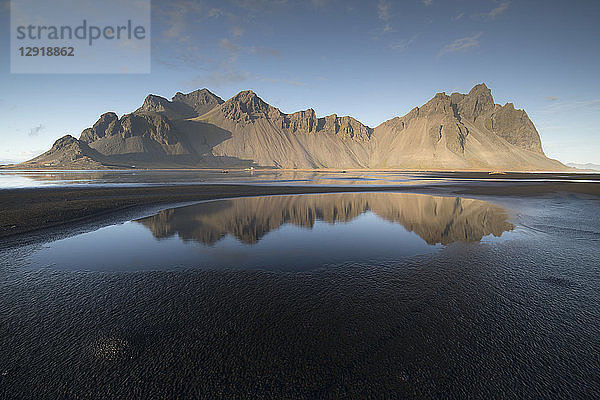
pixel 41 178
pixel 294 233
pixel 29 178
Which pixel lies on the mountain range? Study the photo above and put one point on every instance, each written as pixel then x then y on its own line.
pixel 585 166
pixel 201 130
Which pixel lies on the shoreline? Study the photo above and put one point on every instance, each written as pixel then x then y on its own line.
pixel 24 168
pixel 25 210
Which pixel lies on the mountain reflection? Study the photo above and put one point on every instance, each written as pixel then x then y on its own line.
pixel 435 219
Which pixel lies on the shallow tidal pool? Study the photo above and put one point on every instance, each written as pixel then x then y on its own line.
pixel 291 233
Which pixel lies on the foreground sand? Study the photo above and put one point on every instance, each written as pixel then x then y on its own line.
pixel 25 210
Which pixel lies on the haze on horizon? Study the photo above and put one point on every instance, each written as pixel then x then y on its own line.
pixel 371 60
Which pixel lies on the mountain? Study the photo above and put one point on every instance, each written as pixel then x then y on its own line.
pixel 263 134
pixel 586 166
pixel 462 132
pixel 71 153
pixel 199 129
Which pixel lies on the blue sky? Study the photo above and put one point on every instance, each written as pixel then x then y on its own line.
pixel 370 59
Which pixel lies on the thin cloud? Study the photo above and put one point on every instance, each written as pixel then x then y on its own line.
pixel 461 45
pixel 176 17
pixel 177 27
pixel 499 10
pixel 283 81
pixel 229 45
pixel 318 3
pixel 383 13
pixel 215 13
pixel 581 106
pixel 36 130
pixel 403 44
pixel 235 48
pixel 261 5
pixel 428 2
pixel 6 105
pixel 551 98
pixel 459 16
pixel 218 78
pixel 237 31
pixel 227 76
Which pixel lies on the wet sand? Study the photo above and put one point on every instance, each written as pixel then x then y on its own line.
pixel 511 319
pixel 26 210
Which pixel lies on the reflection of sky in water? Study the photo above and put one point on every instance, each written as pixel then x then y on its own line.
pixel 137 177
pixel 131 246
pixel 281 233
pixel 12 179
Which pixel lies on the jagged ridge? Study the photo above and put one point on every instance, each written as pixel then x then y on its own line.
pixel 199 129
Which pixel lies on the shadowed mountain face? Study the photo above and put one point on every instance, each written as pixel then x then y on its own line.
pixel 199 129
pixel 435 219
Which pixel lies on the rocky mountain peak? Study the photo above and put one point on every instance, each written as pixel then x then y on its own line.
pixel 478 101
pixel 105 119
pixel 345 127
pixel 154 125
pixel 247 97
pixel 154 103
pixel 182 105
pixel 99 129
pixel 301 121
pixel 63 142
pixel 480 88
pixel 456 97
pixel 247 106
pixel 69 152
pixel 306 121
pixel 439 104
pixel 197 94
pixel 201 100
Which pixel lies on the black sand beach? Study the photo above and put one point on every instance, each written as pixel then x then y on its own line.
pixel 514 318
